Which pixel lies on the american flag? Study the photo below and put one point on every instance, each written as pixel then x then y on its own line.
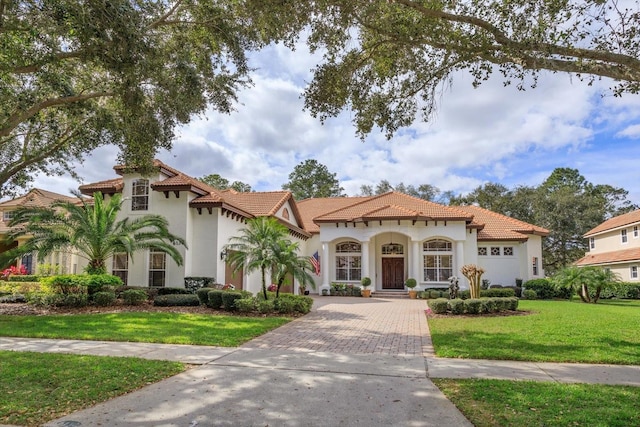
pixel 315 260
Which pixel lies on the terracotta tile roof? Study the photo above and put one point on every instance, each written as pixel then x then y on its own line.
pixel 615 222
pixel 625 255
pixel 311 208
pixel 37 198
pixel 394 205
pixel 34 198
pixel 501 227
pixel 264 203
pixel 110 186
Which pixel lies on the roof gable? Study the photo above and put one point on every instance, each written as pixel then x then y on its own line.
pixel 393 205
pixel 502 227
pixel 615 222
pixel 37 197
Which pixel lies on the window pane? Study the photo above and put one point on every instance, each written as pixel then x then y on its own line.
pixel 120 261
pixel 482 251
pixel 346 247
pixel 156 278
pixel 157 261
pixel 446 261
pixel 507 251
pixel 437 245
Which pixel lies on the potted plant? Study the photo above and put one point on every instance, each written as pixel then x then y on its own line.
pixel 366 282
pixel 411 284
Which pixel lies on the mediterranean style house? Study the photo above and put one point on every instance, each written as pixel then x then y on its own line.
pixel 388 237
pixel 64 262
pixel 615 244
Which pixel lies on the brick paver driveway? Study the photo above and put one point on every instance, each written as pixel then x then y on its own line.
pixel 356 326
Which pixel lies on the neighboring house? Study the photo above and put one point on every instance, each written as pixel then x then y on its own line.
pixel 64 262
pixel 389 237
pixel 615 244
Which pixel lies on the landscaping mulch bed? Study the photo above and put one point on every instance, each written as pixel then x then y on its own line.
pixel 24 309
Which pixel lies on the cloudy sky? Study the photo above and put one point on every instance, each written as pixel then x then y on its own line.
pixel 489 134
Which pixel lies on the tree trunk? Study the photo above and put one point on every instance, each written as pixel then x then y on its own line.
pixel 584 293
pixel 264 284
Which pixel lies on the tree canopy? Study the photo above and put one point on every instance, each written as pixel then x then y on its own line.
pixel 422 191
pixel 387 60
pixel 565 203
pixel 313 179
pixel 78 75
pixel 221 183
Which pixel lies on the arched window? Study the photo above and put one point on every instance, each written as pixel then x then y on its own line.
pixel 285 213
pixel 140 195
pixel 437 260
pixel 348 261
pixel 392 249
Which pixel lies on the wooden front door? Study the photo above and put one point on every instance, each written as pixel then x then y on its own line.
pixel 230 277
pixel 392 273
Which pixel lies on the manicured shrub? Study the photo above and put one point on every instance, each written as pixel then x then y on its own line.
pixel 101 282
pixel 229 299
pixel 498 293
pixel 23 278
pixel 215 299
pixel 488 305
pixel 512 303
pixel 192 284
pixel 439 306
pixel 150 292
pixel 501 304
pixel 284 305
pixel 529 294
pixel 176 300
pixel 246 305
pixel 303 304
pixel 104 298
pixel 67 284
pixel 173 291
pixel 472 306
pixel 203 295
pixel 13 299
pixel 456 306
pixel 623 290
pixel 517 290
pixel 134 296
pixel 543 287
pixel 69 300
pixel 265 307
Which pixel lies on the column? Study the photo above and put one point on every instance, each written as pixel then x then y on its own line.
pixel 365 260
pixel 459 258
pixel 324 267
pixel 416 265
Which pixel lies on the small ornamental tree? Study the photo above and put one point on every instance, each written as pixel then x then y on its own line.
pixel 587 282
pixel 474 274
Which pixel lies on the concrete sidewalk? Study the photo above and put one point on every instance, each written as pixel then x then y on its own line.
pixel 404 365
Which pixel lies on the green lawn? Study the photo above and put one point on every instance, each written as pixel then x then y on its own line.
pixel 526 403
pixel 38 387
pixel 168 328
pixel 555 331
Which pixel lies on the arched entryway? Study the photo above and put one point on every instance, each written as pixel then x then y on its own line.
pixel 392 266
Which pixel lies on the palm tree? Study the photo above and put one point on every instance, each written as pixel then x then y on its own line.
pixel 288 262
pixel 588 282
pixel 255 248
pixel 92 229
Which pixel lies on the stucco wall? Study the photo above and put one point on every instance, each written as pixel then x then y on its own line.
pixel 612 241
